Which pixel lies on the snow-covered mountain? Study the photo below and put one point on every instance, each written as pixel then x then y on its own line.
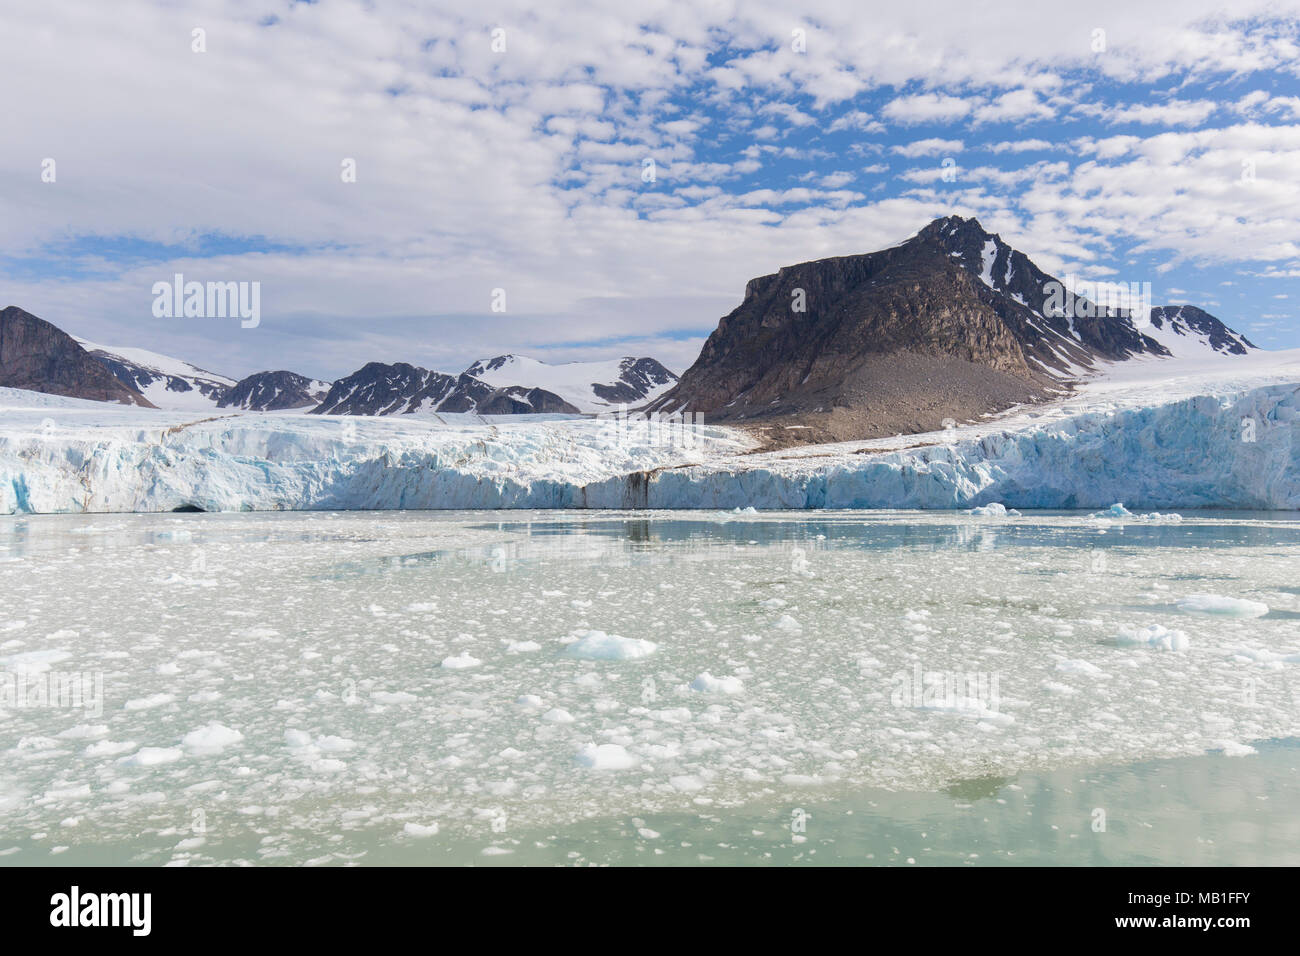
pixel 401 389
pixel 167 382
pixel 505 385
pixel 588 386
pixel 274 391
pixel 1188 332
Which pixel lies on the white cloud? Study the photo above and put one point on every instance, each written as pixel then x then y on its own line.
pixel 929 147
pixel 1017 105
pixel 927 108
pixel 857 120
pixel 1020 146
pixel 1173 113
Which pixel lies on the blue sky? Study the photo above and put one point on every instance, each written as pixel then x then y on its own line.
pixel 1111 142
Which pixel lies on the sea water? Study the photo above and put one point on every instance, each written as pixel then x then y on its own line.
pixel 649 687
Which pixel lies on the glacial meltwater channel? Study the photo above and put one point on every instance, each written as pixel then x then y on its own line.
pixel 650 687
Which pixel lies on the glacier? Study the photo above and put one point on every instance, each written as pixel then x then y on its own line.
pixel 1232 447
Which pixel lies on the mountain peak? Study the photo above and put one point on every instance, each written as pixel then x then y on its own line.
pixel 953 323
pixel 950 225
pixel 37 355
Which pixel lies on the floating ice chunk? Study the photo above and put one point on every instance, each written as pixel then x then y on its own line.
pixel 1230 748
pixel 304 743
pixel 993 510
pixel 1261 655
pixel 1080 667
pixel 966 706
pixel 605 757
pixel 1052 687
pixel 528 702
pixel 84 732
pixel 522 647
pixel 420 829
pixel 706 683
pixel 153 756
pixel 34 662
pixel 786 623
pixel 1156 636
pixel 749 510
pixel 558 716
pixel 1117 510
pixel 211 738
pixel 460 662
pixel 1222 606
pixel 599 646
pixel 109 748
pixel 395 696
pixel 145 703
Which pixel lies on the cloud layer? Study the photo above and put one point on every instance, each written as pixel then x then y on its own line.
pixel 620 173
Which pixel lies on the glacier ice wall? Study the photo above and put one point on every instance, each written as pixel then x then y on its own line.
pixel 1235 451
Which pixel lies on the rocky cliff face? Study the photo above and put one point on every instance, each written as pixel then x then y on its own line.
pixel 38 356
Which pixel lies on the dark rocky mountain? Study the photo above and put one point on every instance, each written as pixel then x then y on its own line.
pixel 588 386
pixel 380 389
pixel 274 391
pixel 638 378
pixel 1194 325
pixel 167 382
pixel 1055 328
pixel 953 323
pixel 521 400
pixel 38 356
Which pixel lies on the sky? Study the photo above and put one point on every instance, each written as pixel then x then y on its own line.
pixel 612 174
